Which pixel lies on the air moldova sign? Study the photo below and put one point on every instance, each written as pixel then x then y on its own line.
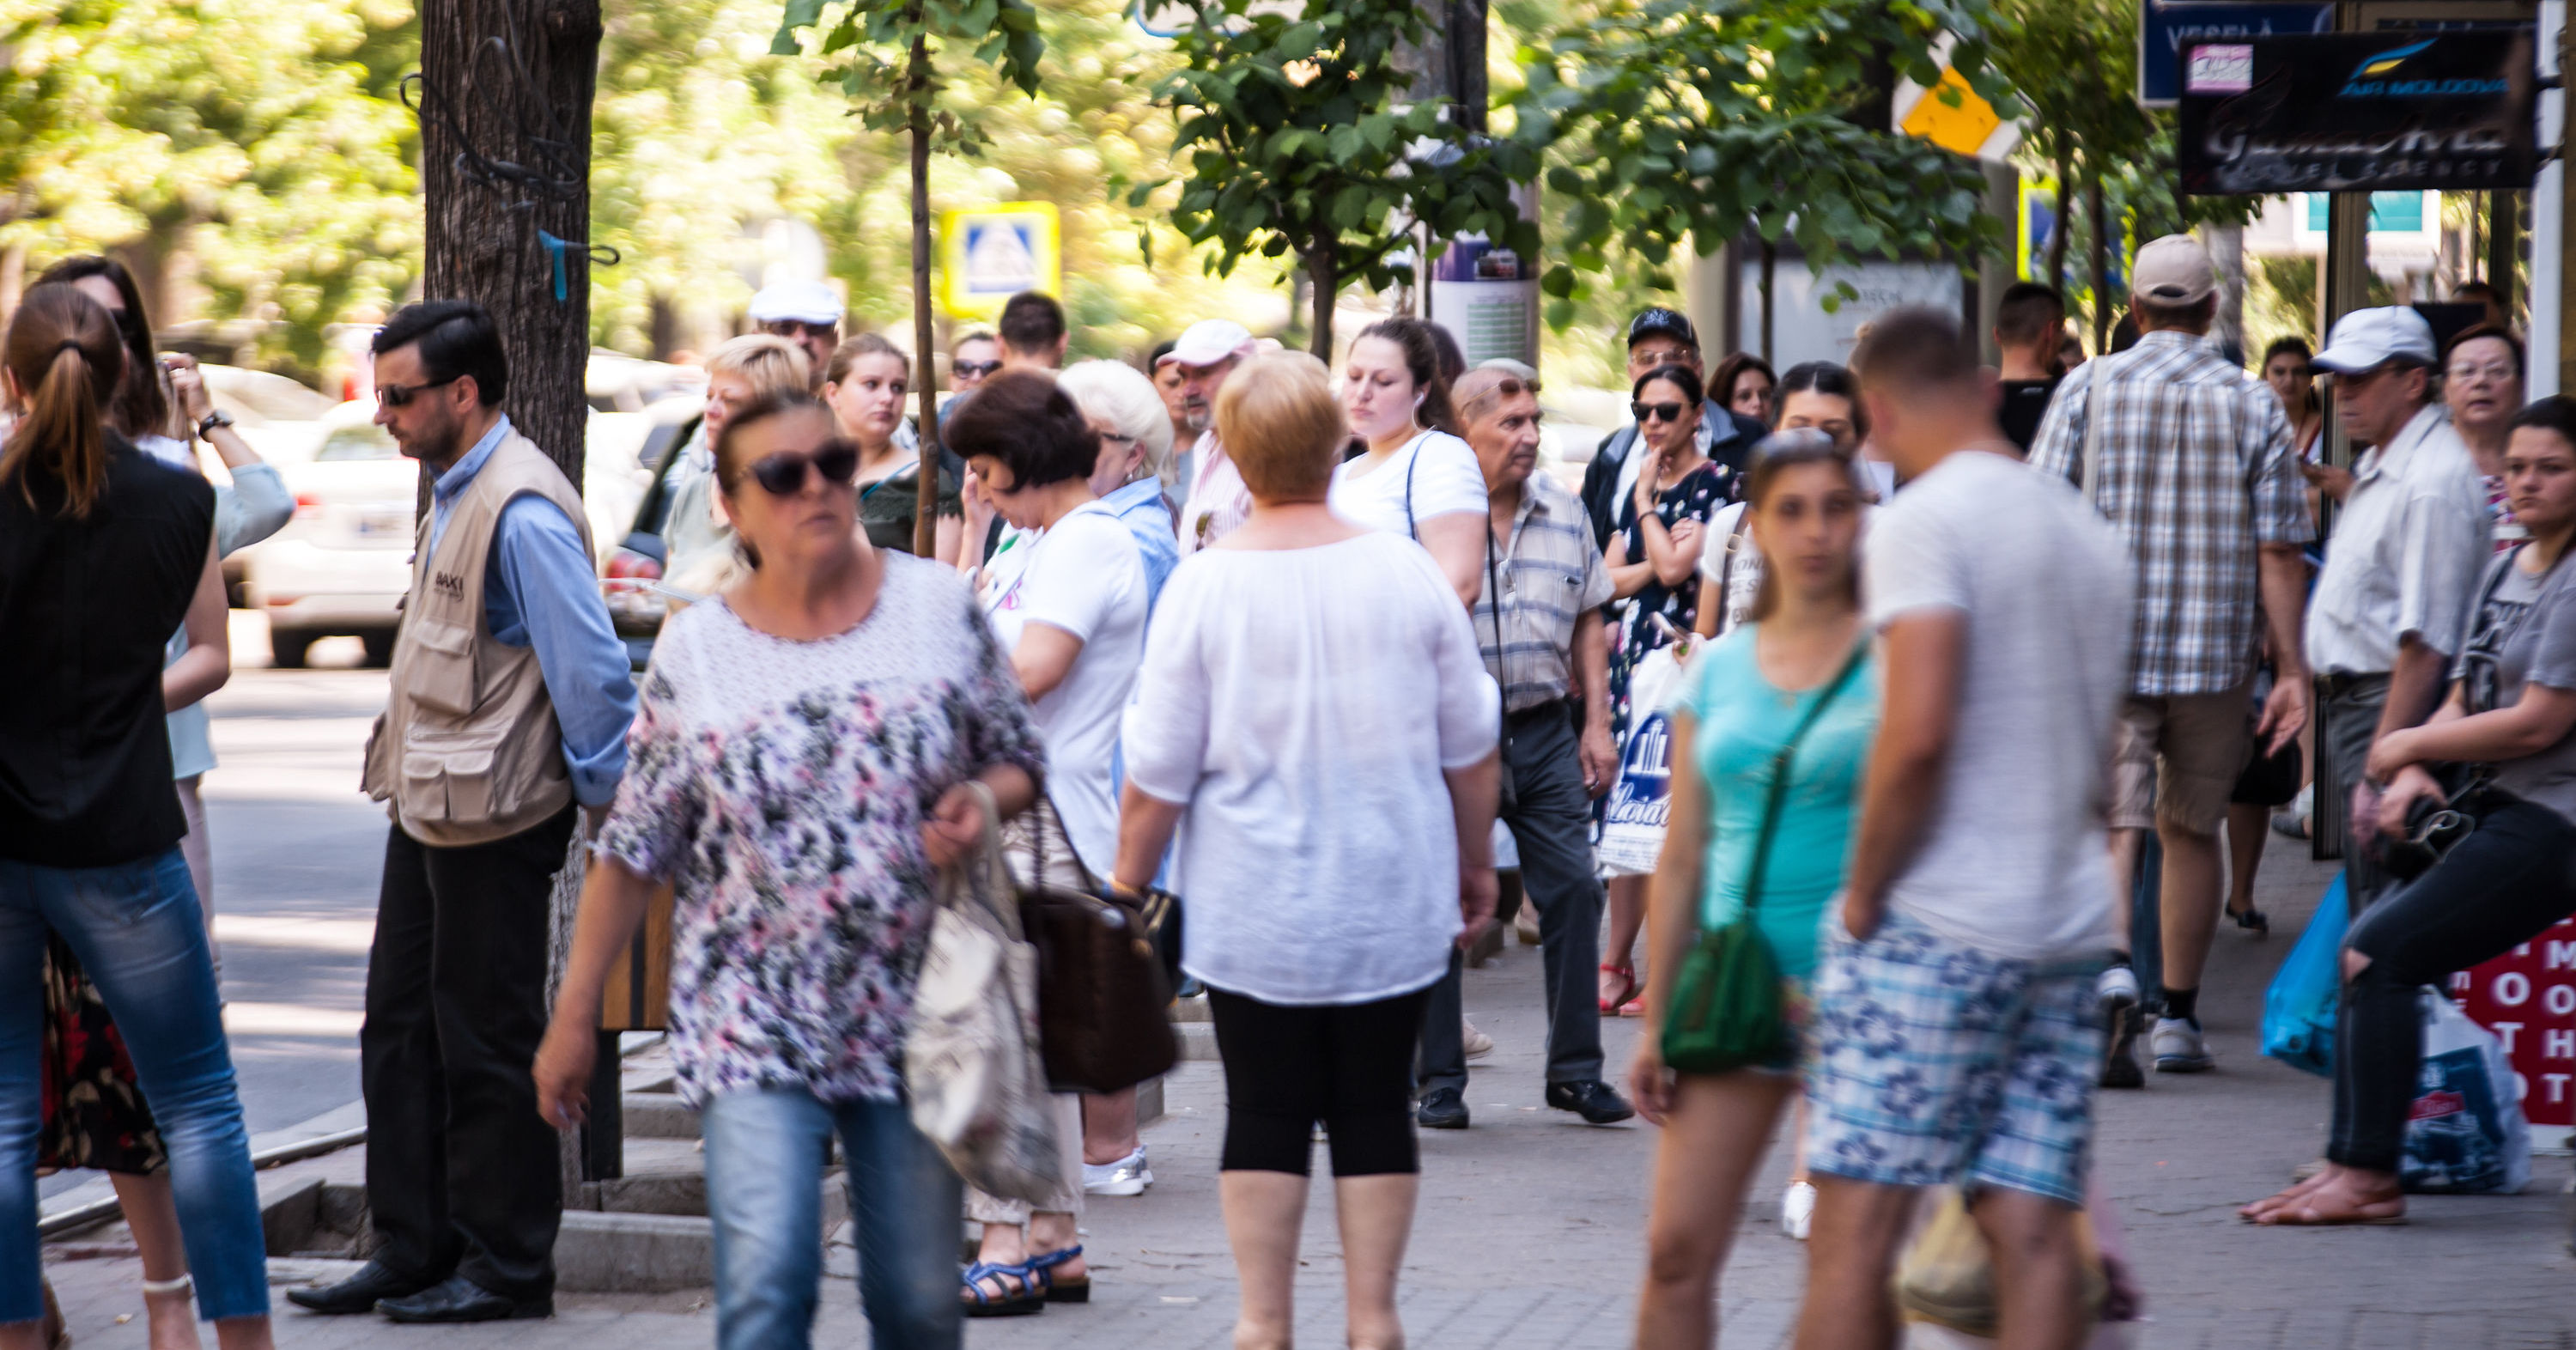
pixel 2357 112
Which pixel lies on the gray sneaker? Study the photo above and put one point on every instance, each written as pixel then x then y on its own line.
pixel 1127 1176
pixel 2177 1047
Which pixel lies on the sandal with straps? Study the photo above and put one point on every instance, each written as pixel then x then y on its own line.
pixel 1030 1297
pixel 1627 993
pixel 1059 1290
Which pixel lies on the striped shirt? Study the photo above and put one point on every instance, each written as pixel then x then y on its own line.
pixel 1551 574
pixel 2197 470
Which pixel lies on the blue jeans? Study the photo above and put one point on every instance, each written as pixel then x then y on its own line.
pixel 138 932
pixel 765 1193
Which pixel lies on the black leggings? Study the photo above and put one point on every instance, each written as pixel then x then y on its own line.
pixel 1349 1066
pixel 2500 887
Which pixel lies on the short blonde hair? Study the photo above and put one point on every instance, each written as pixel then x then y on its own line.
pixel 768 363
pixel 1281 424
pixel 1121 395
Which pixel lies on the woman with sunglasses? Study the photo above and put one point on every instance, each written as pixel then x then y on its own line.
pixel 800 766
pixel 1652 558
pixel 865 383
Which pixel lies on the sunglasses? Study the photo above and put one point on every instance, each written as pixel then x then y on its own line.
pixel 783 475
pixel 788 328
pixel 1658 412
pixel 401 395
pixel 974 370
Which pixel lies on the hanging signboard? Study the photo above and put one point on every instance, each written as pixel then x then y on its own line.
pixel 2165 25
pixel 2357 112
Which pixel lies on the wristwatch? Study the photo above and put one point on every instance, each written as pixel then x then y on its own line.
pixel 212 420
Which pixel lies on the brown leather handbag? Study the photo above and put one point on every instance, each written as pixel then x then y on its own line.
pixel 1103 1000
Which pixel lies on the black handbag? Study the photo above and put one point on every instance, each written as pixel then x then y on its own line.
pixel 1103 995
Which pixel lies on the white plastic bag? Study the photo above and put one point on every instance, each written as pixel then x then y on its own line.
pixel 2466 1132
pixel 1632 824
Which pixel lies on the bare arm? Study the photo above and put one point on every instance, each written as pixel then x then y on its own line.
pixel 1673 552
pixel 2283 575
pixel 1145 825
pixel 946 531
pixel 1626 578
pixel 1044 657
pixel 613 899
pixel 2413 686
pixel 1599 757
pixel 208 662
pixel 1672 914
pixel 1924 651
pixel 2541 718
pixel 1711 600
pixel 1457 542
pixel 1475 792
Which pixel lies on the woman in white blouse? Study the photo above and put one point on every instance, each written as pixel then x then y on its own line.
pixel 1330 770
pixel 1417 478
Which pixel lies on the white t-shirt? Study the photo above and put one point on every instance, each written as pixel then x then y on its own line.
pixel 1307 736
pixel 1083 576
pixel 1446 480
pixel 2012 861
pixel 1744 578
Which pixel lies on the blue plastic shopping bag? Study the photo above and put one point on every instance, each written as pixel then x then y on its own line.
pixel 2299 1008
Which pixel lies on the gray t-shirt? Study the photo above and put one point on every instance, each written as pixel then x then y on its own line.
pixel 2013 860
pixel 2525 632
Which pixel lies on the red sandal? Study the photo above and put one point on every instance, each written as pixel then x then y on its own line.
pixel 1627 994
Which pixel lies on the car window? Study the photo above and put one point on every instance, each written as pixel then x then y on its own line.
pixel 367 441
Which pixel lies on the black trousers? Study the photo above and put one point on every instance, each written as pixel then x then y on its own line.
pixel 2497 889
pixel 1551 823
pixel 1344 1065
pixel 462 1173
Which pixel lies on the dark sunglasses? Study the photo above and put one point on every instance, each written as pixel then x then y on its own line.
pixel 974 370
pixel 1658 412
pixel 788 328
pixel 401 395
pixel 783 475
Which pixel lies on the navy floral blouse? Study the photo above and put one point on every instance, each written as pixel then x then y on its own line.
pixel 783 784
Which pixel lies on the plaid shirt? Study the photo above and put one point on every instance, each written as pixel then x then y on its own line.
pixel 2197 469
pixel 1551 574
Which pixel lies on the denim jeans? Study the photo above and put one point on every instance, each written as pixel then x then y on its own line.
pixel 138 932
pixel 765 1193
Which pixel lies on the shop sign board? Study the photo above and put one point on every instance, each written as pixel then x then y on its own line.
pixel 2527 997
pixel 2358 112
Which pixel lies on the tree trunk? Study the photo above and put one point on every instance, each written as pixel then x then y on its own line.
pixel 1324 282
pixel 483 242
pixel 2097 254
pixel 2057 234
pixel 925 522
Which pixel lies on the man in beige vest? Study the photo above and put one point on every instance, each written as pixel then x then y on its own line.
pixel 510 699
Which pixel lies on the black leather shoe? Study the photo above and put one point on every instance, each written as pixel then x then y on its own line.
pixel 462 1300
pixel 1597 1102
pixel 359 1293
pixel 1442 1109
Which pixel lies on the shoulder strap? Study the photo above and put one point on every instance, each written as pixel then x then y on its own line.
pixel 1779 791
pixel 2093 432
pixel 1494 611
pixel 1411 530
pixel 1726 566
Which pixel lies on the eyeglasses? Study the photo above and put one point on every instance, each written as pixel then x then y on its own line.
pixel 1117 438
pixel 2499 372
pixel 789 328
pixel 783 475
pixel 974 370
pixel 1658 412
pixel 401 395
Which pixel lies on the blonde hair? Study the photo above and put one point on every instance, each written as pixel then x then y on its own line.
pixel 767 362
pixel 1280 423
pixel 1122 396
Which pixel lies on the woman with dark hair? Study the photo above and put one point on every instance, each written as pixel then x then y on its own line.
pixel 1800 660
pixel 1742 385
pixel 1414 477
pixel 864 382
pixel 100 1119
pixel 103 552
pixel 1822 400
pixel 812 744
pixel 2512 713
pixel 2294 382
pixel 1073 620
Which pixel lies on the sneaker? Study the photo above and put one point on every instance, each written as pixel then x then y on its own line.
pixel 2118 990
pixel 1525 925
pixel 1478 1043
pixel 1798 1210
pixel 1127 1176
pixel 2178 1047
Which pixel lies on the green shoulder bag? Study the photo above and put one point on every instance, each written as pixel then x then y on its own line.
pixel 1725 1008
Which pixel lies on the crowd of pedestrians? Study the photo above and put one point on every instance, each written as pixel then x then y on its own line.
pixel 1927 650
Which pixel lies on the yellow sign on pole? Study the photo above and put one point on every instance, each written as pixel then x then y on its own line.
pixel 989 254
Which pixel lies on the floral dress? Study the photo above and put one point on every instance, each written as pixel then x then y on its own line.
pixel 784 784
pixel 1696 497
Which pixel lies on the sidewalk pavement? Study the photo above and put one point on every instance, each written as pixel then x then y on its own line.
pixel 1529 1230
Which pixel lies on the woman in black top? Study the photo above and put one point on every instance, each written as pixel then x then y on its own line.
pixel 103 552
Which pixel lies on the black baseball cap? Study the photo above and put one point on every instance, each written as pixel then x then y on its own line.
pixel 1661 322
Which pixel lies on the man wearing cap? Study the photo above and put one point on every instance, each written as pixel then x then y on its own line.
pixel 2190 457
pixel 2402 569
pixel 1218 502
pixel 806 313
pixel 1660 337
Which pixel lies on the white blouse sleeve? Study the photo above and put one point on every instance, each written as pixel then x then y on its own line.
pixel 1446 478
pixel 1166 726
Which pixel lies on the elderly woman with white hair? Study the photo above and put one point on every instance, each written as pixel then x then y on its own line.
pixel 1136 474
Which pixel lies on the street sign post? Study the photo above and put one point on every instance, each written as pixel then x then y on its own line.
pixel 2165 25
pixel 2357 112
pixel 989 254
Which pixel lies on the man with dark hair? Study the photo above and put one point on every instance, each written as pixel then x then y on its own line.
pixel 1661 337
pixel 2029 320
pixel 1033 331
pixel 1955 1035
pixel 509 703
pixel 2499 314
pixel 2191 459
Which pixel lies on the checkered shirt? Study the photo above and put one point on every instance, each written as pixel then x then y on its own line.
pixel 1551 574
pixel 2197 470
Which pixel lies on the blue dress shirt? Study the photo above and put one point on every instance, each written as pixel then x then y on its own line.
pixel 1140 507
pixel 540 590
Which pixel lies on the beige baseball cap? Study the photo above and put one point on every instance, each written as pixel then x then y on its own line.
pixel 2173 270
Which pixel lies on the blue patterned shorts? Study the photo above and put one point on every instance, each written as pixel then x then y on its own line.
pixel 1933 1061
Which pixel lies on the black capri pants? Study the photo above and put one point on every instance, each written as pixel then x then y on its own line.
pixel 1349 1066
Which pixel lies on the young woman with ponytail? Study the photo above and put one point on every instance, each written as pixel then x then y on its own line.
pixel 103 552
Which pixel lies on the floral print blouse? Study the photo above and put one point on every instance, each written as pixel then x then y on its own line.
pixel 782 784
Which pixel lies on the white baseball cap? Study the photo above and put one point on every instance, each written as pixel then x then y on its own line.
pixel 2367 339
pixel 2173 270
pixel 1209 341
pixel 803 301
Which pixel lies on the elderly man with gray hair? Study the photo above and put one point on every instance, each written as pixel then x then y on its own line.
pixel 1217 501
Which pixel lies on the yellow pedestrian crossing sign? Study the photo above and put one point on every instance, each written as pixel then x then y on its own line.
pixel 989 254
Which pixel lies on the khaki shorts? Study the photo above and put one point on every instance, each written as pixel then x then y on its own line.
pixel 2178 758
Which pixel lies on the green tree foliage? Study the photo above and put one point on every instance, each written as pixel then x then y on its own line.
pixel 1667 121
pixel 1298 143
